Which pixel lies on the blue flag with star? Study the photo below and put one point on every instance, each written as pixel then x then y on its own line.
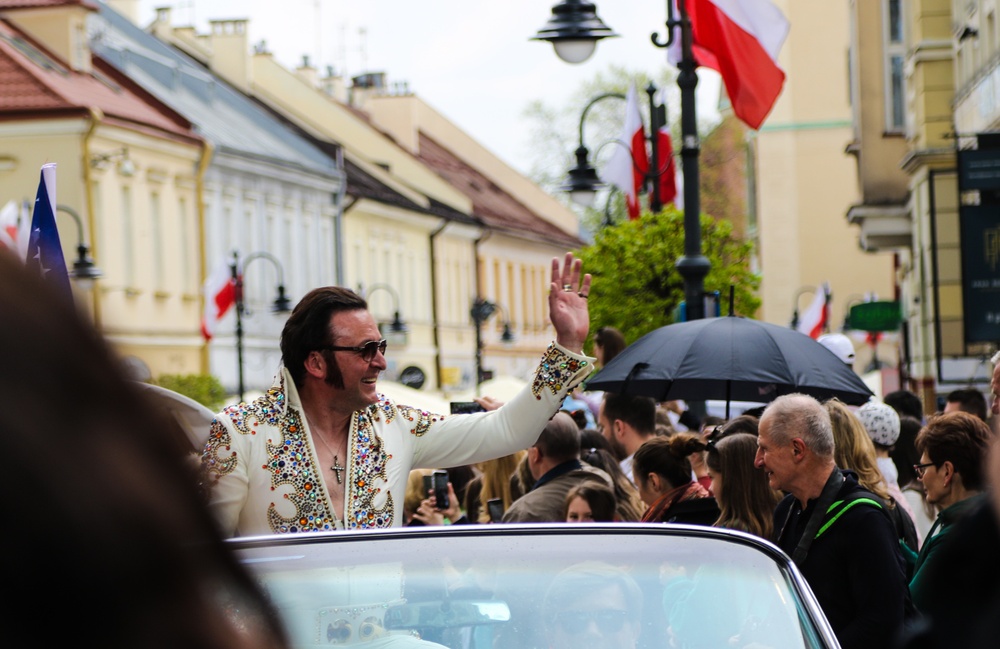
pixel 45 255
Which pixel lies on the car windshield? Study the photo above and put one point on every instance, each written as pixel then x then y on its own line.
pixel 578 587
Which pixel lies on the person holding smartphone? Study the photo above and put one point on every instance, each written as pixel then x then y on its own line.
pixel 323 450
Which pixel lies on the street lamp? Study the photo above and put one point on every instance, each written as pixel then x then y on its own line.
pixel 574 30
pixel 397 328
pixel 85 271
pixel 582 182
pixel 482 310
pixel 281 302
pixel 693 265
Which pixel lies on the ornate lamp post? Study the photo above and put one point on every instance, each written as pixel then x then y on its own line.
pixel 582 181
pixel 566 32
pixel 281 303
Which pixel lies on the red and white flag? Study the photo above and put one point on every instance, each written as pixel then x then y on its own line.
pixel 666 175
pixel 220 296
pixel 816 316
pixel 9 226
pixel 740 39
pixel 627 164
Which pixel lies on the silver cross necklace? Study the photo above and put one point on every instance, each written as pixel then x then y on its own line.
pixel 336 467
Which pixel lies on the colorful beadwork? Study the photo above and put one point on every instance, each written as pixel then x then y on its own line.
pixel 557 371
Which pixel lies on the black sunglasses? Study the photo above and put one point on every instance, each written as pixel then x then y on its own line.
pixel 608 621
pixel 367 351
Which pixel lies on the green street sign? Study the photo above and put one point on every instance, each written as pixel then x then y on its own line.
pixel 876 316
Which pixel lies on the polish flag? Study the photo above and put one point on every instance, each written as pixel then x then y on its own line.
pixel 627 164
pixel 9 226
pixel 815 318
pixel 666 175
pixel 220 295
pixel 740 39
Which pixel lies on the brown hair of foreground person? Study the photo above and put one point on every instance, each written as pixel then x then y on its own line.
pixel 107 537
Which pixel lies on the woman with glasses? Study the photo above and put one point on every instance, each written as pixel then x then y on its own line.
pixel 953 449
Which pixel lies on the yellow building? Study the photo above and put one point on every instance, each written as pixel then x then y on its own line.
pixel 127 166
pixel 923 77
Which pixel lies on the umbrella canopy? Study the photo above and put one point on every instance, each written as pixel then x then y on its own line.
pixel 730 358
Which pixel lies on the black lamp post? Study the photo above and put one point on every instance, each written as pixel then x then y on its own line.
pixel 397 328
pixel 281 303
pixel 482 310
pixel 564 32
pixel 795 311
pixel 582 182
pixel 85 271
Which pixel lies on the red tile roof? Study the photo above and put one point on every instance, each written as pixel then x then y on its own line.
pixel 494 206
pixel 35 4
pixel 36 84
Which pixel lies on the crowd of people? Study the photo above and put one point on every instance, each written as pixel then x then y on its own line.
pixel 878 506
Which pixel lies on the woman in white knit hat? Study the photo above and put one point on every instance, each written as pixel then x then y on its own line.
pixel 881 422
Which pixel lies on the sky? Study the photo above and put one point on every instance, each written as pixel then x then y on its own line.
pixel 471 60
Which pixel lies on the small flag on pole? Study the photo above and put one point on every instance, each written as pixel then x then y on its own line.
pixel 45 255
pixel 220 296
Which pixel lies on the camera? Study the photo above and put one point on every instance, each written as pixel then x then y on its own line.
pixel 465 407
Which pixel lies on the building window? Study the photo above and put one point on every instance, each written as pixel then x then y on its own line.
pixel 894 56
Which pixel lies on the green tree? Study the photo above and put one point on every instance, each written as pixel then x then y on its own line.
pixel 636 285
pixel 203 388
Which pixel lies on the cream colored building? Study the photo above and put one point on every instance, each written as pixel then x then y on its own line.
pixel 127 166
pixel 515 253
pixel 806 183
pixel 421 236
pixel 925 76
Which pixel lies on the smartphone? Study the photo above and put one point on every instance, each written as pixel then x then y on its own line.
pixel 465 407
pixel 495 506
pixel 441 488
pixel 428 485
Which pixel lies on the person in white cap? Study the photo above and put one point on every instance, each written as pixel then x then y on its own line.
pixel 840 345
pixel 881 421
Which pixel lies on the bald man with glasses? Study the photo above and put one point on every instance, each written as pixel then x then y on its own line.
pixel 322 449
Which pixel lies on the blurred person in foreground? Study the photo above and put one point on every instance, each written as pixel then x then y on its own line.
pixel 323 450
pixel 837 534
pixel 593 605
pixel 133 557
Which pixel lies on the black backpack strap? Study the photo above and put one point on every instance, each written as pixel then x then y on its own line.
pixel 826 499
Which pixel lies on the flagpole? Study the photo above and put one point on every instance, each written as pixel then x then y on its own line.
pixel 693 266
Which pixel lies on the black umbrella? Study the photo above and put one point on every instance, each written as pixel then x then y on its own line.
pixel 729 358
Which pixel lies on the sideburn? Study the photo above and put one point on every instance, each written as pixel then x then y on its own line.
pixel 333 376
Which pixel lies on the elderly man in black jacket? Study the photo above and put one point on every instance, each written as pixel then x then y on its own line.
pixel 838 534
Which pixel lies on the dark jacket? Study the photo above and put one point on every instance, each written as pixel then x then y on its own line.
pixel 854 565
pixel 546 502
